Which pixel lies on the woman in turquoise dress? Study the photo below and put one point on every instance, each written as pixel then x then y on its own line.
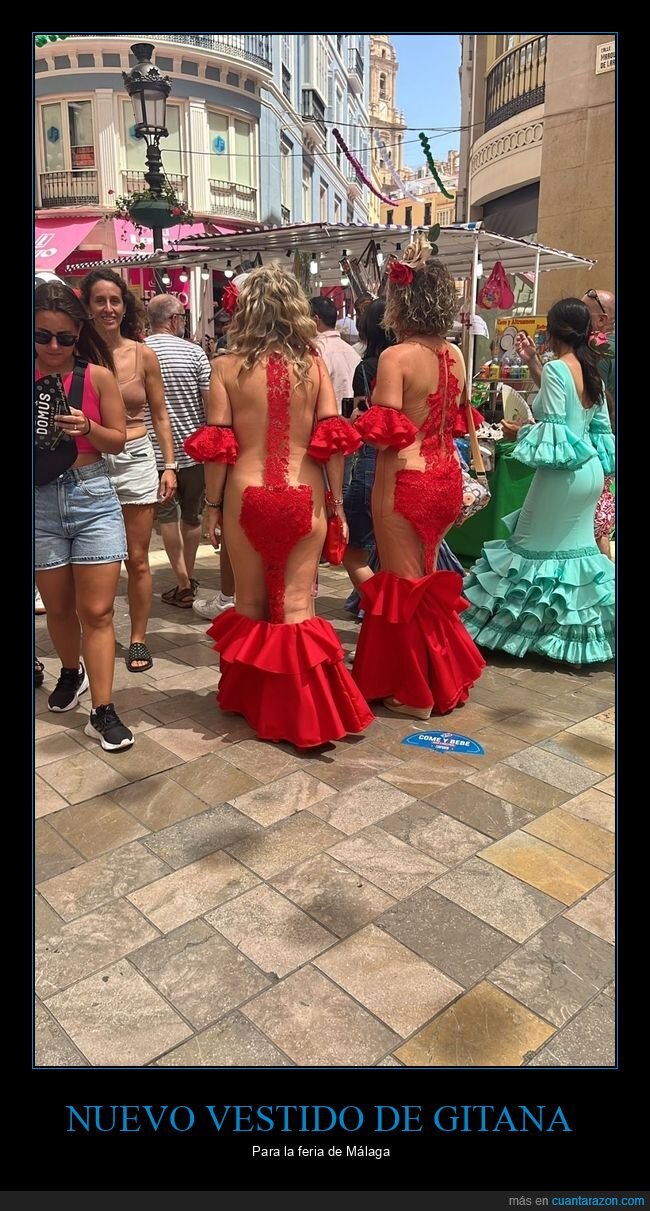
pixel 548 590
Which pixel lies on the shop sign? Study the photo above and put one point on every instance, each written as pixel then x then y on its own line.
pixel 605 57
pixel 445 742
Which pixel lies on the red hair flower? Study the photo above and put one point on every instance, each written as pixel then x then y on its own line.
pixel 229 298
pixel 176 210
pixel 400 274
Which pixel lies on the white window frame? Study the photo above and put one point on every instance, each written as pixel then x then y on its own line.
pixel 307 195
pixel 286 175
pixel 127 118
pixel 316 67
pixel 233 116
pixel 67 151
pixel 324 193
pixel 288 62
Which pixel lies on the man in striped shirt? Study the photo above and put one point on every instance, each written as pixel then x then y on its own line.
pixel 186 374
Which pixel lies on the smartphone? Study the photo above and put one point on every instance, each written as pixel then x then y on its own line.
pixel 347 408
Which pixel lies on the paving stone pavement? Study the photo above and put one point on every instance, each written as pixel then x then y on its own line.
pixel 208 899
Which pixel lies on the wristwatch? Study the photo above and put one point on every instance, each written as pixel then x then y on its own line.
pixel 171 466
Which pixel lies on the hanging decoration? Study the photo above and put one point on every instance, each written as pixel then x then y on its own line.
pixel 43 39
pixel 388 165
pixel 432 165
pixel 359 169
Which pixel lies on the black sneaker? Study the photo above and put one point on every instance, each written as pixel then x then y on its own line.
pixel 71 683
pixel 105 726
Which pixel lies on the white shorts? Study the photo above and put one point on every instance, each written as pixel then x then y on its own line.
pixel 133 473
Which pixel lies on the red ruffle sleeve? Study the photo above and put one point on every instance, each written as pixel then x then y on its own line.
pixel 381 426
pixel 333 436
pixel 460 423
pixel 212 444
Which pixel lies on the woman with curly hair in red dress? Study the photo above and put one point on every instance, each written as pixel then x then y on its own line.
pixel 272 422
pixel 413 650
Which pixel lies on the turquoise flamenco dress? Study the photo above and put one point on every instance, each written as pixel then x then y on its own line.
pixel 548 590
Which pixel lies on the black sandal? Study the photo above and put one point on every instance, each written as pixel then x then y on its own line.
pixel 139 651
pixel 39 672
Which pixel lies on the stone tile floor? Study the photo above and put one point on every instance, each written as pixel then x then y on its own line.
pixel 208 899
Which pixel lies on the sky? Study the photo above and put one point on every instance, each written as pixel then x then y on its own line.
pixel 428 90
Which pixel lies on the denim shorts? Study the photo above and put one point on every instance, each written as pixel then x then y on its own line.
pixel 133 472
pixel 78 520
pixel 357 499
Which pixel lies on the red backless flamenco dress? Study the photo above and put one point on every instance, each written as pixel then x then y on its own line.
pixel 413 646
pixel 288 680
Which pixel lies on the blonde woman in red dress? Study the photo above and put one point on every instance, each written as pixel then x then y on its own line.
pixel 272 423
pixel 413 650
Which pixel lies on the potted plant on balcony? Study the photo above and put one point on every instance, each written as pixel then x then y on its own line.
pixel 145 209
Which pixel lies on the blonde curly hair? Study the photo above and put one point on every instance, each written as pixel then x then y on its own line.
pixel 429 304
pixel 272 316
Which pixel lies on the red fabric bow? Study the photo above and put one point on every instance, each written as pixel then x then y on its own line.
pixel 229 298
pixel 400 274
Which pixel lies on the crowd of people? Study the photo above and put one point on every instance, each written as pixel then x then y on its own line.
pixel 288 417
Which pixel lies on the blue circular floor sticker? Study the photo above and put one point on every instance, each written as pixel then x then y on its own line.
pixel 445 742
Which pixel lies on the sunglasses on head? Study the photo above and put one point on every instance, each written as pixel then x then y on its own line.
pixel 591 294
pixel 65 339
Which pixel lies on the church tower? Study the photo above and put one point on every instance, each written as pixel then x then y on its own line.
pixel 384 115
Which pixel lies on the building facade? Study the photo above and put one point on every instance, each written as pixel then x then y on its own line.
pixel 249 116
pixel 537 153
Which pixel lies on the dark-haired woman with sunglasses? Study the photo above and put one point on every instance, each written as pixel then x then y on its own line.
pixel 79 531
pixel 548 590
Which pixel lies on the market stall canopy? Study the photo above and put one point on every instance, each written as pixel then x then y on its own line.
pixel 55 239
pixel 326 241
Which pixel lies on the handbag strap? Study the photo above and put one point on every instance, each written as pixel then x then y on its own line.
pixel 75 394
pixel 477 457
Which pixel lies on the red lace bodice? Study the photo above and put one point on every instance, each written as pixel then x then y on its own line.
pixel 431 499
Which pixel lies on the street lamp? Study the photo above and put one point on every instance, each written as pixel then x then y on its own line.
pixel 148 90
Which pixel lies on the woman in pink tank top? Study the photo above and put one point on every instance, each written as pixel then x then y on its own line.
pixel 113 310
pixel 79 531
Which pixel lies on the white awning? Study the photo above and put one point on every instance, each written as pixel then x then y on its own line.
pixel 456 246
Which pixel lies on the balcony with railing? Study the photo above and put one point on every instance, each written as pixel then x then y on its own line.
pixel 77 188
pixel 286 214
pixel 134 182
pixel 229 198
pixel 355 70
pixel 516 82
pixel 313 113
pixel 252 48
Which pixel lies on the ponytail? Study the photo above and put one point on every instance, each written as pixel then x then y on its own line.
pixel 569 321
pixel 593 383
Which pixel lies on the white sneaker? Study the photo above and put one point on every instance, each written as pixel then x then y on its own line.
pixel 213 606
pixel 39 607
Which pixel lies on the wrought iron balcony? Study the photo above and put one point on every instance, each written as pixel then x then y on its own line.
pixel 76 188
pixel 229 198
pixel 286 214
pixel 134 182
pixel 355 70
pixel 516 82
pixel 252 48
pixel 313 113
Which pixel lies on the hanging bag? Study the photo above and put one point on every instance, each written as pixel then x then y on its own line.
pixel 496 293
pixel 476 493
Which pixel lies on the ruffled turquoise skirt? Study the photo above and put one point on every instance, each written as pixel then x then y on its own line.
pixel 554 603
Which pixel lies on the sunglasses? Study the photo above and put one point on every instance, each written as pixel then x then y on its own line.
pixel 65 339
pixel 591 294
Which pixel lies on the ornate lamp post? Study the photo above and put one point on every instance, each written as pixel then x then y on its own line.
pixel 148 90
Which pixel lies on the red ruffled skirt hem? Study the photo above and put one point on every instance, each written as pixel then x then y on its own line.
pixel 413 645
pixel 288 680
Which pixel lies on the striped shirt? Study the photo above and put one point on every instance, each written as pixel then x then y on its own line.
pixel 185 373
